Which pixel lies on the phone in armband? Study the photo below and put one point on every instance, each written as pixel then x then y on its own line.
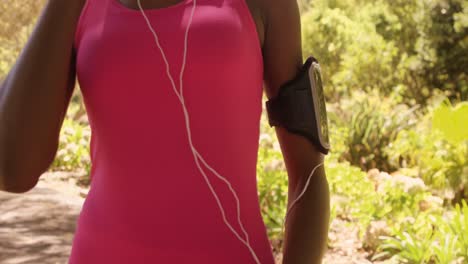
pixel 300 106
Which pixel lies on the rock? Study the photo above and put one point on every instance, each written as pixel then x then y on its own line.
pixel 373 174
pixel 384 177
pixel 410 185
pixel 374 231
pixel 277 146
pixel 378 178
pixel 275 165
pixel 431 202
pixel 266 140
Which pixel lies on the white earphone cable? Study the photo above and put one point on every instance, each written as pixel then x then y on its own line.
pixel 299 196
pixel 196 154
pixel 194 151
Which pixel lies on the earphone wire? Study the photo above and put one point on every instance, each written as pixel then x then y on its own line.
pixel 194 151
pixel 299 196
pixel 197 155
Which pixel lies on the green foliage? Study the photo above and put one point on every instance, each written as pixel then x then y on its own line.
pixel 273 189
pixel 272 181
pixel 325 35
pixel 459 226
pixel 448 40
pixel 441 163
pixel 412 244
pixel 357 198
pixel 415 47
pixel 353 193
pixel 73 153
pixel 373 123
pixel 352 54
pixel 343 179
pixel 408 249
pixel 394 202
pixel 430 238
pixel 452 122
pixel 445 251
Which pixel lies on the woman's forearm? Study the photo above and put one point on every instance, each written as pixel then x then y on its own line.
pixel 34 96
pixel 307 226
pixel 306 230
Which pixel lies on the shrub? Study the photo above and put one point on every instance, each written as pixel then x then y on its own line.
pixel 429 238
pixel 458 227
pixel 417 47
pixel 410 244
pixel 351 52
pixel 353 193
pixel 433 153
pixel 73 151
pixel 373 123
pixel 272 181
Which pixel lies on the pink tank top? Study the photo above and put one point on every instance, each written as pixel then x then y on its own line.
pixel 148 202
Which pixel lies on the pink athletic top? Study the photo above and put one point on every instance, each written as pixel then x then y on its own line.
pixel 148 202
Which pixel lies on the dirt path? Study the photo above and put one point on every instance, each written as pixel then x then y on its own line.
pixel 38 227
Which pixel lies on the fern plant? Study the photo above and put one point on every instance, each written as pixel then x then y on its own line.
pixel 459 226
pixel 408 247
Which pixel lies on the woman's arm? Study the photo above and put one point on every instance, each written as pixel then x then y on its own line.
pixel 307 226
pixel 35 95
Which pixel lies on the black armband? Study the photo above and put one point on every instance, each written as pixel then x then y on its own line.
pixel 300 106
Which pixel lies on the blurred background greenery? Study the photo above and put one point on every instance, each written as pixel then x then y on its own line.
pixel 396 84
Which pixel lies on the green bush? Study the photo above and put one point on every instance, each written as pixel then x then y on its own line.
pixel 353 194
pixel 448 41
pixel 411 243
pixel 439 158
pixel 415 47
pixel 451 121
pixel 352 54
pixel 357 198
pixel 429 238
pixel 73 151
pixel 458 226
pixel 273 190
pixel 272 181
pixel 373 122
pixel 395 202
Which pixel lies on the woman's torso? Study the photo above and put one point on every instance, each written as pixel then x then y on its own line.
pixel 148 202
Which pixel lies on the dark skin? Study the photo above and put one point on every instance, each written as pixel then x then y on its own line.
pixel 35 95
pixel 306 231
pixel 39 111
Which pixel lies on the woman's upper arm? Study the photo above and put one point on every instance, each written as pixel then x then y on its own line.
pixel 282 49
pixel 282 52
